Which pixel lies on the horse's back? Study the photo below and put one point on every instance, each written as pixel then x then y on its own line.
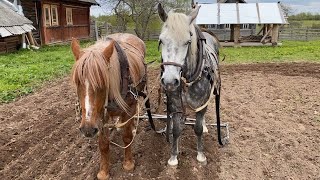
pixel 134 49
pixel 126 38
pixel 212 41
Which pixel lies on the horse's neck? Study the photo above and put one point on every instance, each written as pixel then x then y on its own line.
pixel 193 53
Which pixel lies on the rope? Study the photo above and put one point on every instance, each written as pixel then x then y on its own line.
pixel 134 132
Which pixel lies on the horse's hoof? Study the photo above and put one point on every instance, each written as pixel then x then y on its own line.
pixel 128 165
pixel 201 158
pixel 173 161
pixel 102 175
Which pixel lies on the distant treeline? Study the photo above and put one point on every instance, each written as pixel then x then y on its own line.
pixel 304 16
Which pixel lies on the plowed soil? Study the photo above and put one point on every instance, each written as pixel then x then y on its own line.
pixel 273 111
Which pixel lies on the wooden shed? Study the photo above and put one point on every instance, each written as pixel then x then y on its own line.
pixel 13 27
pixel 57 21
pixel 269 15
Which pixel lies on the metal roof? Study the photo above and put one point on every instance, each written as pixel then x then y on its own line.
pixel 94 2
pixel 12 23
pixel 241 13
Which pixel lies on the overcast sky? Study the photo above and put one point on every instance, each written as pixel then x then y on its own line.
pixel 298 6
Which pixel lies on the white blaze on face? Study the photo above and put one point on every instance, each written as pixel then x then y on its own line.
pixel 173 50
pixel 87 101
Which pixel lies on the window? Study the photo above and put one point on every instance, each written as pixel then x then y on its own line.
pixel 245 26
pixel 212 26
pixel 69 16
pixel 54 15
pixel 227 26
pixel 51 15
pixel 47 15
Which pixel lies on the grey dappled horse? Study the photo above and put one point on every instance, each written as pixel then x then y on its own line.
pixel 190 74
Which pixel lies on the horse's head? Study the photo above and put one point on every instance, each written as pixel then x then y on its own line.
pixel 89 76
pixel 176 39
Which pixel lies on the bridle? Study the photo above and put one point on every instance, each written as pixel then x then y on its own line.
pixel 183 67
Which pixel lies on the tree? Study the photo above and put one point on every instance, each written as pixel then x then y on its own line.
pixel 287 9
pixel 141 12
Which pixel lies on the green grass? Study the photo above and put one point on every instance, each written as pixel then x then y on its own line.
pixel 290 51
pixel 26 70
pixel 304 23
pixel 152 51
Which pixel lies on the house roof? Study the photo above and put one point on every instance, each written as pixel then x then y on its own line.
pixel 241 13
pixel 206 1
pixel 231 1
pixel 218 1
pixel 12 23
pixel 94 2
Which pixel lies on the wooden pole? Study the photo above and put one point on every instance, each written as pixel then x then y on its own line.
pixel 236 35
pixel 30 37
pixel 261 30
pixel 275 34
pixel 96 30
pixel 232 32
pixel 264 37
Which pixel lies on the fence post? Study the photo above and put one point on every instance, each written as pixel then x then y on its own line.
pixel 307 33
pixel 96 30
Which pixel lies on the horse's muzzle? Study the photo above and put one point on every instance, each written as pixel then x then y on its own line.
pixel 170 86
pixel 89 131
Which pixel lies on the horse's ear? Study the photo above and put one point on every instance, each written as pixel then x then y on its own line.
pixel 194 13
pixel 162 13
pixel 75 46
pixel 108 50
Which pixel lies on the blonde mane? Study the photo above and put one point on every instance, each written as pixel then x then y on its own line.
pixel 178 24
pixel 106 74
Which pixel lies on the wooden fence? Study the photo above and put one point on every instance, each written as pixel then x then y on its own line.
pixel 299 34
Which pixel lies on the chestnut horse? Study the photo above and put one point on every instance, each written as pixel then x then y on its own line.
pixel 107 90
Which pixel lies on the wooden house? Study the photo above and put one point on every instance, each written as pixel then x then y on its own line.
pixel 57 21
pixel 13 27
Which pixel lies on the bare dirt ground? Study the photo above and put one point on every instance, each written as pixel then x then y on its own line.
pixel 272 109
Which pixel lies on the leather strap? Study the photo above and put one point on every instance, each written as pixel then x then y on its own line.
pixel 200 40
pixel 124 68
pixel 172 63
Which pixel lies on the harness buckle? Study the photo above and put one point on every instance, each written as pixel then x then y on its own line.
pixel 135 95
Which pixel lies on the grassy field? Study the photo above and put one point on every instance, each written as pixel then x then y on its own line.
pixel 290 51
pixel 24 71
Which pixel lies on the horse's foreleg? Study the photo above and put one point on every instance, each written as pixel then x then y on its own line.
pixel 176 131
pixel 127 136
pixel 198 129
pixel 104 151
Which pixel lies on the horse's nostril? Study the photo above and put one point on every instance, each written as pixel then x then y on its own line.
pixel 81 129
pixel 176 82
pixel 95 131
